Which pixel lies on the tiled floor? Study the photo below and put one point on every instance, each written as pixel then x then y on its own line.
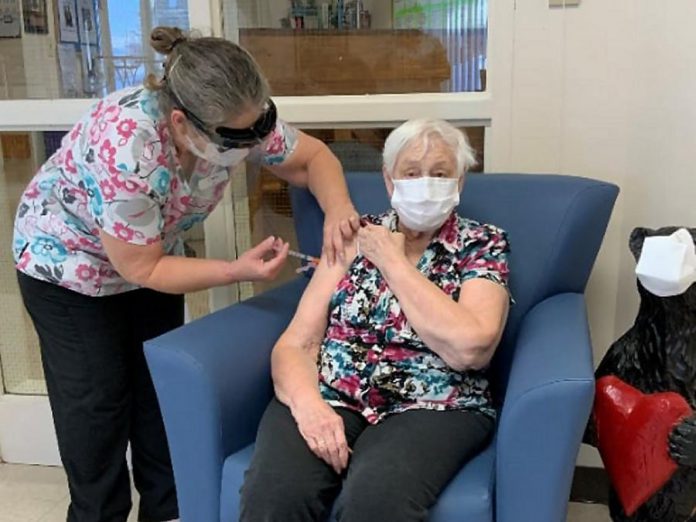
pixel 34 494
pixel 39 494
pixel 588 513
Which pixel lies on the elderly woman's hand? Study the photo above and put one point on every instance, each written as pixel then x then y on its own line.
pixel 381 246
pixel 340 225
pixel 322 428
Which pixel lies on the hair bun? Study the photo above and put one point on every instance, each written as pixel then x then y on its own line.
pixel 164 39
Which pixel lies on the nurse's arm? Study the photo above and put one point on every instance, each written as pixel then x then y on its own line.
pixel 149 267
pixel 313 165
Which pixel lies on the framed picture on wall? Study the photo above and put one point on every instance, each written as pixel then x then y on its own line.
pixel 10 21
pixel 67 16
pixel 35 16
pixel 88 22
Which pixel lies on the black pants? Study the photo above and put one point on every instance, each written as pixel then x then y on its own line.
pixel 102 396
pixel 397 470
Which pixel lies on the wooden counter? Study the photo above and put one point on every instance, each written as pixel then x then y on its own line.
pixel 312 62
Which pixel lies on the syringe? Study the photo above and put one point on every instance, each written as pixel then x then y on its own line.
pixel 304 257
pixel 314 261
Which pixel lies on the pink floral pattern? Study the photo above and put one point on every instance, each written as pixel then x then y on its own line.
pixel 85 272
pixel 373 362
pixel 126 129
pixel 116 172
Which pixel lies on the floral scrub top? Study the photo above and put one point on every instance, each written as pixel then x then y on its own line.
pixel 116 171
pixel 373 362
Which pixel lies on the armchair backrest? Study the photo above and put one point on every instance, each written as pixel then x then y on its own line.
pixel 555 225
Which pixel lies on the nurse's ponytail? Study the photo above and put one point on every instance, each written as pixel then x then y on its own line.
pixel 165 39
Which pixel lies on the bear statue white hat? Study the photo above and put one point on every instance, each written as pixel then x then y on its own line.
pixel 667 264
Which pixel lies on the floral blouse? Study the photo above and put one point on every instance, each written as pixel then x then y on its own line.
pixel 373 362
pixel 116 171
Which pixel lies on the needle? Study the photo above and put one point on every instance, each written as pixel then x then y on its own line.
pixel 314 261
pixel 304 257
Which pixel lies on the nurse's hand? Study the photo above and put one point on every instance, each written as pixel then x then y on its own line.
pixel 262 262
pixel 340 225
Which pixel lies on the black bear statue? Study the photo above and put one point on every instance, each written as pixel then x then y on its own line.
pixel 658 354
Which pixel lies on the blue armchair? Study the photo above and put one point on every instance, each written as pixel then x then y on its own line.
pixel 213 375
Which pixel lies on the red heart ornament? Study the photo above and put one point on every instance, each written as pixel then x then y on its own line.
pixel 632 433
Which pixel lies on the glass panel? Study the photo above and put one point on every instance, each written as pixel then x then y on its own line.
pixel 79 48
pixel 268 212
pixel 314 47
pixel 20 361
pixel 197 303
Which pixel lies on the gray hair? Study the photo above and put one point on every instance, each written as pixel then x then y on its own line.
pixel 213 78
pixel 423 130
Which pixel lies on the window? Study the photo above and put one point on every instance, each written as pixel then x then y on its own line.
pixel 364 47
pixel 20 362
pixel 80 48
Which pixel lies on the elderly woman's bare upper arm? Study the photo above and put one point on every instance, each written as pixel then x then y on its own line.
pixel 311 316
pixel 488 301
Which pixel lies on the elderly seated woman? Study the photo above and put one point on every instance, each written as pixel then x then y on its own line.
pixel 381 390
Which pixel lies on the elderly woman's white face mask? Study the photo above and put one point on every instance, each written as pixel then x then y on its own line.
pixel 426 185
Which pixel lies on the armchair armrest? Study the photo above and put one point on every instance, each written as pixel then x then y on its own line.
pixel 212 378
pixel 547 404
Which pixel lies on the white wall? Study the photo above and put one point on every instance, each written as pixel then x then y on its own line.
pixel 605 90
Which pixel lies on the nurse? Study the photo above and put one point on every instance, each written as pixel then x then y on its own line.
pixel 99 252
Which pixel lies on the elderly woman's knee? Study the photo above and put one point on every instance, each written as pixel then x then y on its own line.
pixel 368 501
pixel 269 497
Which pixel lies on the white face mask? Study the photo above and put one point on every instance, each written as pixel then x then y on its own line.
pixel 211 154
pixel 667 264
pixel 423 204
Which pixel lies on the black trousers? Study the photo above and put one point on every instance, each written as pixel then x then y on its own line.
pixel 102 396
pixel 397 470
